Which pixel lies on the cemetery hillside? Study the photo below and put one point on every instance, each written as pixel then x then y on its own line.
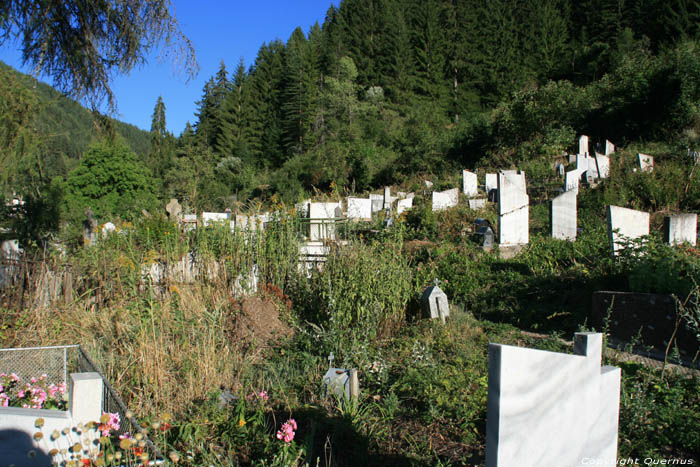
pixel 410 235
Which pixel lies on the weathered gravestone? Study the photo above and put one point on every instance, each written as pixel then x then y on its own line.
pixel 341 382
pixel 89 226
pixel 404 205
pixel 485 235
pixel 563 216
pixel 571 180
pixel 173 209
pixel 513 210
pixel 491 186
pixel 602 164
pixel 624 225
pixel 303 208
pixel 476 204
pixel 212 218
pixel 646 162
pixel 445 199
pixel 681 228
pixel 559 167
pixel 377 202
pixel 360 208
pixel 388 200
pixel 583 145
pixel 552 409
pixel 470 183
pixel 322 220
pixel 434 303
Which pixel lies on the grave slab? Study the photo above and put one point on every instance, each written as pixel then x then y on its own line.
pixel 445 199
pixel 681 228
pixel 360 208
pixel 563 216
pixel 625 224
pixel 646 162
pixel 322 220
pixel 609 148
pixel 513 210
pixel 469 183
pixel 476 204
pixel 547 408
pixel 404 205
pixel 583 145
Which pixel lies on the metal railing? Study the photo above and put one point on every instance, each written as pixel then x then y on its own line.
pixel 57 362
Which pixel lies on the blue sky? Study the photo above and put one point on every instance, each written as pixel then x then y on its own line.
pixel 219 30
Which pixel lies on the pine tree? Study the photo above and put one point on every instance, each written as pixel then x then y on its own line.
pixel 159 154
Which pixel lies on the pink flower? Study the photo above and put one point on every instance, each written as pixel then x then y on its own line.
pixel 14 377
pixel 20 394
pixel 263 395
pixel 33 380
pixel 4 400
pixel 125 436
pixel 286 432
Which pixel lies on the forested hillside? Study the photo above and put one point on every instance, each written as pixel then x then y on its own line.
pixel 44 134
pixel 387 89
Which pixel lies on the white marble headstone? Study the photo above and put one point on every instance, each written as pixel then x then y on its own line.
pixel 322 224
pixel 583 145
pixel 491 183
pixel 513 210
pixel 552 409
pixel 609 148
pixel 469 183
pixel 646 162
pixel 563 216
pixel 681 228
pixel 625 224
pixel 403 205
pixel 360 208
pixel 445 199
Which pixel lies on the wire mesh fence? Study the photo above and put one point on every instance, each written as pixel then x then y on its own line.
pixel 57 363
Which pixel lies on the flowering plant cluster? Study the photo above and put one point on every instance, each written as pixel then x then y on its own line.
pixel 36 394
pixel 109 422
pixel 258 396
pixel 286 433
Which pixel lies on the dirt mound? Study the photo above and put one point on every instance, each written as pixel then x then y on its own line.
pixel 257 324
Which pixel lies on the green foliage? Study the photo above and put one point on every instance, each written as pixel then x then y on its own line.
pixel 111 181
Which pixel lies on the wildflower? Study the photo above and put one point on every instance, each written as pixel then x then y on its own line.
pixel 126 435
pixel 286 433
pixel 241 422
pixel 263 395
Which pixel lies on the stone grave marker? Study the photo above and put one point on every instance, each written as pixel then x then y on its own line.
pixel 341 382
pixel 681 228
pixel 513 210
pixel 404 205
pixel 428 184
pixel 646 162
pixel 477 204
pixel 211 218
pixel 360 208
pixel 571 180
pixel 491 185
pixel 625 224
pixel 602 164
pixel 552 409
pixel 434 303
pixel 583 145
pixel 107 228
pixel 560 169
pixel 485 234
pixel 303 208
pixel 469 183
pixel 377 202
pixel 173 209
pixel 445 199
pixel 388 200
pixel 322 220
pixel 563 216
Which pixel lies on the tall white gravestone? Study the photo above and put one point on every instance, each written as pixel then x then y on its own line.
pixel 513 210
pixel 563 216
pixel 625 224
pixel 469 183
pixel 602 164
pixel 322 220
pixel 583 145
pixel 609 148
pixel 552 409
pixel 491 183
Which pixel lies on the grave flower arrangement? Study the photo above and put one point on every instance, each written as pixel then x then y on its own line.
pixel 35 394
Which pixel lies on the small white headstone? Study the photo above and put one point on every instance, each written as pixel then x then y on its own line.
pixel 210 218
pixel 571 180
pixel 583 145
pixel 563 216
pixel 322 224
pixel 552 409
pixel 646 162
pixel 681 228
pixel 445 199
pixel 387 198
pixel 602 165
pixel 377 202
pixel 403 205
pixel 428 184
pixel 491 183
pixel 360 208
pixel 435 304
pixel 469 183
pixel 625 224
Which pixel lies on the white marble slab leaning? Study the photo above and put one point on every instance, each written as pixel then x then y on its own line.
pixel 552 409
